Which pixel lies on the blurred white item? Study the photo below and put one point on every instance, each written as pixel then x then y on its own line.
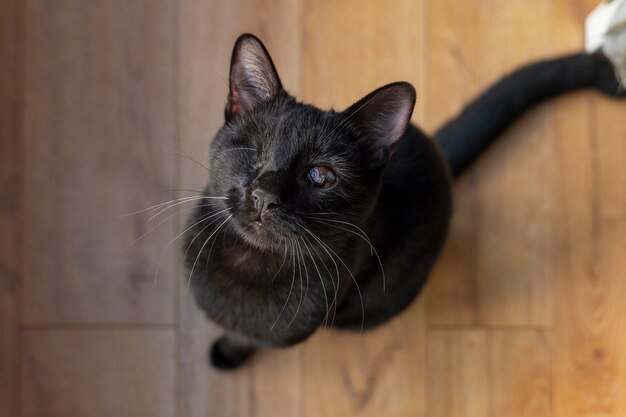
pixel 605 28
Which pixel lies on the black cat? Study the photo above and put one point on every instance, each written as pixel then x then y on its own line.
pixel 322 218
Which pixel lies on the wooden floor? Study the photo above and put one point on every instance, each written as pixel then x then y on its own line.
pixel 525 314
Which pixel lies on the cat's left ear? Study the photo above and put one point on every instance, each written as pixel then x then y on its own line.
pixel 253 77
pixel 383 115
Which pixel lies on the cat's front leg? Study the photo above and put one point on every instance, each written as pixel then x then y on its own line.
pixel 230 351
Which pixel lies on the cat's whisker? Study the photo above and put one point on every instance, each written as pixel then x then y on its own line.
pixel 189 190
pixel 348 224
pixel 181 154
pixel 203 246
pixel 362 233
pixel 195 237
pixel 336 269
pixel 325 125
pixel 334 301
pixel 365 237
pixel 349 272
pixel 302 295
pixel 293 279
pixel 200 164
pixel 281 264
pixel 226 229
pixel 201 230
pixel 203 218
pixel 333 304
pixel 306 271
pixel 206 264
pixel 319 274
pixel 345 214
pixel 195 198
pixel 150 230
pixel 203 165
pixel 236 149
pixel 149 208
pixel 168 144
pixel 185 155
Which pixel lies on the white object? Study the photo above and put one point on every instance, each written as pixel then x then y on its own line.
pixel 605 29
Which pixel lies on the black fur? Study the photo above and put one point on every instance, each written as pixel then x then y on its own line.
pixel 272 270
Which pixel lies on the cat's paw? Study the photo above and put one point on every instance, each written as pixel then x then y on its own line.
pixel 223 356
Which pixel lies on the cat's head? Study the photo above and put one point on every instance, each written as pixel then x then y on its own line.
pixel 282 163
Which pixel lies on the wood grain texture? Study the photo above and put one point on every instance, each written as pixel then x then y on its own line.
pixel 98 373
pixel 589 348
pixel 478 373
pixel 351 48
pixel 271 384
pixel 458 371
pixel 378 373
pixel 99 105
pixel 496 266
pixel 11 70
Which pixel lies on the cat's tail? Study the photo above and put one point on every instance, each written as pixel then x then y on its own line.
pixel 463 138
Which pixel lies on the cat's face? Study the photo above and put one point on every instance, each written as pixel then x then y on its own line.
pixel 289 169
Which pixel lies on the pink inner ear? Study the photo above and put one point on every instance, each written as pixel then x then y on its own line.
pixel 385 113
pixel 233 106
pixel 253 78
pixel 234 109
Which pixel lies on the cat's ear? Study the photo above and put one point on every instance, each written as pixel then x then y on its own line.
pixel 383 115
pixel 253 77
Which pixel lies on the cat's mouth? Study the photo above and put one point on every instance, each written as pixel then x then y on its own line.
pixel 260 233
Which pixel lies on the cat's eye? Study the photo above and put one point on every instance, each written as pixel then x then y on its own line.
pixel 321 176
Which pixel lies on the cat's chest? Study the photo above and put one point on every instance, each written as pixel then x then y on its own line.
pixel 253 294
pixel 245 265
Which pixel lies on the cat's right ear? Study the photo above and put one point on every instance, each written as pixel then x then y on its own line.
pixel 253 77
pixel 383 115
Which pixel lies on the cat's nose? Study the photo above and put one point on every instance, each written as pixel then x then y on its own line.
pixel 264 201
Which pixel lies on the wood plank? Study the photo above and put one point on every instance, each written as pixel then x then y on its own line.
pixel 488 373
pixel 270 385
pixel 11 70
pixel 520 373
pixel 495 268
pixel 377 373
pixel 589 349
pixel 590 346
pixel 99 104
pixel 458 374
pixel 98 373
pixel 349 49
